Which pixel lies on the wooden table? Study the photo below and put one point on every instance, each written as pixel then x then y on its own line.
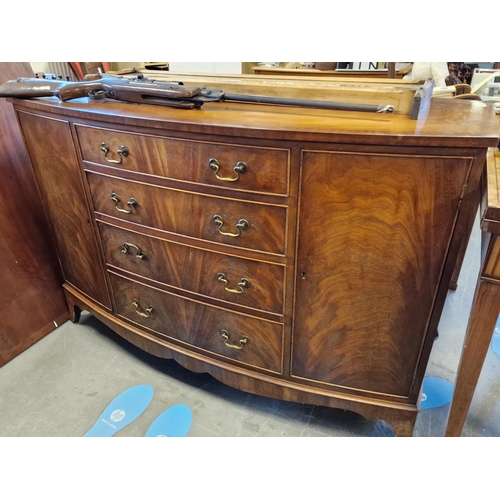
pixel 486 302
pixel 390 72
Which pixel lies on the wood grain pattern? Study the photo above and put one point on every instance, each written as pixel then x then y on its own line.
pixel 484 315
pixel 485 305
pixel 166 209
pixel 374 233
pixel 59 179
pixel 366 234
pixel 451 123
pixel 31 300
pixel 196 270
pixel 491 216
pixel 294 79
pixel 263 70
pixel 401 416
pixel 491 266
pixel 328 88
pixel 267 169
pixel 200 326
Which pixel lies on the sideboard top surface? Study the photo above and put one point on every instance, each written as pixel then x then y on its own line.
pixel 449 123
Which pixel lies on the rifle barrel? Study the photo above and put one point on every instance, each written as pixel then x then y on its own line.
pixel 307 103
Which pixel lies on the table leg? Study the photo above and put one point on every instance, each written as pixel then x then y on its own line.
pixel 484 315
pixel 479 202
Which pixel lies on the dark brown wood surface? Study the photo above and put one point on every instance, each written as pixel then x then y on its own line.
pixel 201 326
pixel 58 174
pixel 32 303
pixel 167 262
pixel 491 216
pixel 266 171
pixel 450 123
pixel 366 235
pixel 485 305
pixel 484 315
pixel 373 237
pixel 166 209
pixel 389 72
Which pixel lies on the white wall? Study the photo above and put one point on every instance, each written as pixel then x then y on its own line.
pixel 206 67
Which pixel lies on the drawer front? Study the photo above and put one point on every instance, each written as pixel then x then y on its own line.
pixel 249 283
pixel 240 167
pixel 238 337
pixel 249 225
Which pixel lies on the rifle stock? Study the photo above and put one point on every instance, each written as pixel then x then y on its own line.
pixel 24 88
pixel 29 87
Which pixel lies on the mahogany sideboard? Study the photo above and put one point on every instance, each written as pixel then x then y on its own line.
pixel 297 254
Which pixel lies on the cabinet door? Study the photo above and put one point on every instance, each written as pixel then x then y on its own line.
pixel 374 231
pixel 31 297
pixel 58 174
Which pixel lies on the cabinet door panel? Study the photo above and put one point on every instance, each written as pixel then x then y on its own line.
pixel 31 296
pixel 374 233
pixel 56 168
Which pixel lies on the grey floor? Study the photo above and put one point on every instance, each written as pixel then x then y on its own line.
pixel 60 385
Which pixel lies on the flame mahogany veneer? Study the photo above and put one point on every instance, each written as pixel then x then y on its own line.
pixel 297 254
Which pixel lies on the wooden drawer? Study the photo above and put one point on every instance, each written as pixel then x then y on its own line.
pixel 266 170
pixel 262 227
pixel 196 270
pixel 250 341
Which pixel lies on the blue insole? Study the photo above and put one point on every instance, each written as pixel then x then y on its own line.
pixel 123 410
pixel 173 422
pixel 436 392
pixel 495 340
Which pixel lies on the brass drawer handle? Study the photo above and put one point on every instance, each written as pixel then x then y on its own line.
pixel 122 151
pixel 131 203
pixel 149 311
pixel 138 252
pixel 242 341
pixel 240 168
pixel 244 283
pixel 241 225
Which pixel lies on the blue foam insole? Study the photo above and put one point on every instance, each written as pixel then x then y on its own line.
pixel 173 422
pixel 123 410
pixel 495 340
pixel 436 392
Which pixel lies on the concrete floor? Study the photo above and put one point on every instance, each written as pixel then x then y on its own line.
pixel 60 385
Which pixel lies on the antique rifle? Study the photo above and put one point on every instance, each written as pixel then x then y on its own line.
pixel 172 94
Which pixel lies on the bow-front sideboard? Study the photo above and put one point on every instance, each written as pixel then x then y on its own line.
pixel 297 254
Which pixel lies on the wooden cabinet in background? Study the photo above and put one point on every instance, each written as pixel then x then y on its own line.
pixel 297 254
pixel 31 299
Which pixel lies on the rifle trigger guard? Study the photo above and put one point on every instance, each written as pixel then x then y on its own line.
pixel 97 95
